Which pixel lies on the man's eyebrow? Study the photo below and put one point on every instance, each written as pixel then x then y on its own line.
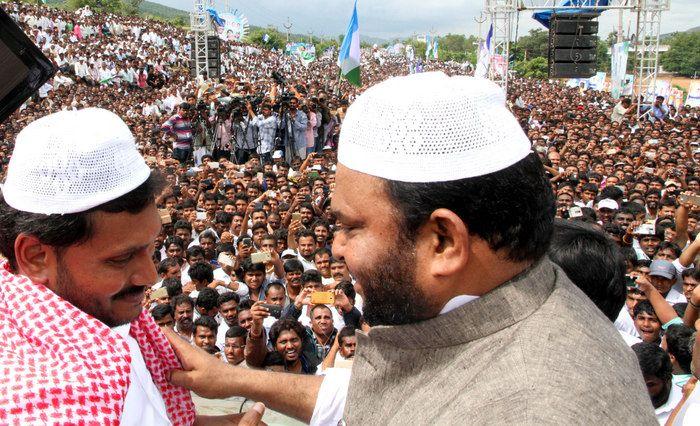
pixel 337 213
pixel 128 250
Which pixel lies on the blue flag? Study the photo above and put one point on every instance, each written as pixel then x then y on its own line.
pixel 216 18
pixel 544 16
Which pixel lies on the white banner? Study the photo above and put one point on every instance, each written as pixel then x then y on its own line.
pixel 693 98
pixel 618 68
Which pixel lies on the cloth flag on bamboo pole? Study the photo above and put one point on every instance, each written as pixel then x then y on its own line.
pixel 349 56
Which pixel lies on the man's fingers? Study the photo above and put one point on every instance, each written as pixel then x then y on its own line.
pixel 183 350
pixel 253 416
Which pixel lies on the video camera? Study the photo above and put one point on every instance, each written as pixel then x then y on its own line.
pixel 279 78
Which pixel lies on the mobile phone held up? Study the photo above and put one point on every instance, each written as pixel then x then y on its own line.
pixel 275 310
pixel 322 298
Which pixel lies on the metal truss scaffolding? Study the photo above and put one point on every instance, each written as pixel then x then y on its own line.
pixel 502 13
pixel 200 26
pixel 647 51
pixel 645 43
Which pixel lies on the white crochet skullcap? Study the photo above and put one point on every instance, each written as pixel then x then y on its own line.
pixel 431 128
pixel 72 161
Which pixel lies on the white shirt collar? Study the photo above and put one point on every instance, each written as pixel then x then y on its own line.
pixel 456 302
pixel 122 330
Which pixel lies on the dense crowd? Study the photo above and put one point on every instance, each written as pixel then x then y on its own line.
pixel 245 255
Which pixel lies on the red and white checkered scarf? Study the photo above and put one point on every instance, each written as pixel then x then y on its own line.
pixel 59 365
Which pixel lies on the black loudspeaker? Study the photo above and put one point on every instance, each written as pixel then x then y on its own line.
pixel 213 57
pixel 23 67
pixel 573 43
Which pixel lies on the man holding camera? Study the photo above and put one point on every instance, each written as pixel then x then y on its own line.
pixel 266 124
pixel 180 125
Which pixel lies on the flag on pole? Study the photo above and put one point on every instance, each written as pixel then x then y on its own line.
pixel 349 55
pixel 435 48
pixel 428 46
pixel 484 59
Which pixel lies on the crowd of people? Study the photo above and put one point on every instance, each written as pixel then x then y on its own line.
pixel 245 258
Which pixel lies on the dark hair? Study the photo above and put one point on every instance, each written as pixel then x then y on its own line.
pixel 644 306
pixel 284 325
pixel 314 307
pixel 223 217
pixel 305 233
pixel 236 331
pixel 202 271
pixel 206 321
pixel 181 299
pixel 174 239
pixel 245 305
pixel 348 289
pixel 321 251
pixel 64 230
pixel 653 361
pixel 161 311
pixel 166 264
pixel 311 275
pixel 208 234
pixel 173 286
pixel 207 299
pixel 680 308
pixel 182 224
pixel 669 245
pixel 258 225
pixel 293 265
pixel 346 331
pixel 248 266
pixel 194 251
pixel 678 341
pixel 511 209
pixel 275 284
pixel 593 262
pixel 227 297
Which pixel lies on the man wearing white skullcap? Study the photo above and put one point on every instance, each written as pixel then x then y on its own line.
pixel 471 322
pixel 78 223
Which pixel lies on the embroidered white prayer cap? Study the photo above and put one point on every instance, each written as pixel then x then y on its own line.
pixel 431 128
pixel 72 161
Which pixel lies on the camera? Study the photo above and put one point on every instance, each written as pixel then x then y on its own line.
pixel 208 184
pixel 279 79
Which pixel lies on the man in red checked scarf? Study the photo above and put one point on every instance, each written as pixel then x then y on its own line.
pixel 78 222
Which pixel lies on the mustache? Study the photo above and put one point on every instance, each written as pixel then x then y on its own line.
pixel 129 291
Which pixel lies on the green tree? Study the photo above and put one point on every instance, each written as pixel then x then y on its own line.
pixel 180 21
pixel 131 7
pixel 97 5
pixel 533 68
pixel 683 55
pixel 532 45
pixel 277 40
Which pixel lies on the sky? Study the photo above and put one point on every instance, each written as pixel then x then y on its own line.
pixel 389 19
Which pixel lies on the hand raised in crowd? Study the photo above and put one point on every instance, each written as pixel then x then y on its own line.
pixel 303 298
pixel 259 313
pixel 341 302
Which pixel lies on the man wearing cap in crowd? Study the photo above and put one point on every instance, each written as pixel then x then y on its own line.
pixel 606 210
pixel 662 275
pixel 78 222
pixel 471 322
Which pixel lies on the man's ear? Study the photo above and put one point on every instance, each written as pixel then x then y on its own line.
pixel 447 240
pixel 34 259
